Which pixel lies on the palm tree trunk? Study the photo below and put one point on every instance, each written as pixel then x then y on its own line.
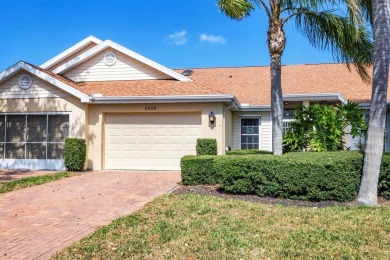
pixel 276 44
pixel 375 136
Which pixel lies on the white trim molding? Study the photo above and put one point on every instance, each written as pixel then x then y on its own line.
pixel 109 44
pixel 315 97
pixel 69 52
pixel 166 99
pixel 44 76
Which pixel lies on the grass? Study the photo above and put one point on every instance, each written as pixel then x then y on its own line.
pixel 204 227
pixel 33 181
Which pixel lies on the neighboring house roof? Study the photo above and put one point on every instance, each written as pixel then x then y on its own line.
pixel 251 85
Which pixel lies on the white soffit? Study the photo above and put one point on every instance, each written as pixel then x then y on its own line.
pixel 314 97
pixel 44 76
pixel 109 44
pixel 75 48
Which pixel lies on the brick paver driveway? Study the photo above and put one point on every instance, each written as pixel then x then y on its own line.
pixel 38 221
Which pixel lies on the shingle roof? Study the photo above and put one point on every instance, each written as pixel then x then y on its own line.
pixel 145 88
pixel 252 84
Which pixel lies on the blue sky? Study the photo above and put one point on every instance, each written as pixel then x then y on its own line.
pixel 175 33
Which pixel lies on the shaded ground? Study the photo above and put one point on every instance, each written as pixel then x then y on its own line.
pixel 13 175
pixel 215 190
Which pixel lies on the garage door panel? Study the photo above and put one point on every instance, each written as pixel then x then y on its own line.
pixel 150 141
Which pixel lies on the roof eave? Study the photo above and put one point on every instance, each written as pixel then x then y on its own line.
pixel 165 99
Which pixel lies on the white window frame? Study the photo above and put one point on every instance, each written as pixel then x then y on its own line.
pixel 35 164
pixel 287 121
pixel 240 117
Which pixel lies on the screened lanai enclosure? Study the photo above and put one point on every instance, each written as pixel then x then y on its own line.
pixel 33 141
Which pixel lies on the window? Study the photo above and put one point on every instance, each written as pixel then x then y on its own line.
pixel 286 124
pixel 250 133
pixel 33 136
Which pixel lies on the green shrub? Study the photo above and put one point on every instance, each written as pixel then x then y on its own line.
pixel 75 154
pixel 246 152
pixel 384 177
pixel 206 146
pixel 321 128
pixel 301 176
pixel 198 170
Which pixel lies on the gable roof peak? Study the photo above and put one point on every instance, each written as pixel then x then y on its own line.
pixel 70 51
pixel 110 44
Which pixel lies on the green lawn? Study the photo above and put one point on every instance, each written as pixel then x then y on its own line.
pixel 205 227
pixel 33 181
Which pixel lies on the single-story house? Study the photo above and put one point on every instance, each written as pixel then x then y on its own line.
pixel 137 114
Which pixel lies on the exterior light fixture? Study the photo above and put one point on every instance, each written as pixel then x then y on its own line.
pixel 212 118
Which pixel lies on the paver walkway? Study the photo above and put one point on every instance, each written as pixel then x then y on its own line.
pixel 38 221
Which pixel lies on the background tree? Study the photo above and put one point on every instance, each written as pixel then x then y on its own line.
pixel 378 107
pixel 322 23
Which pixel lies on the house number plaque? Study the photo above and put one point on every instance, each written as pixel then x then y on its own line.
pixel 150 108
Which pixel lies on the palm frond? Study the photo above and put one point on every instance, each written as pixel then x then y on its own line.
pixel 366 9
pixel 235 9
pixel 349 42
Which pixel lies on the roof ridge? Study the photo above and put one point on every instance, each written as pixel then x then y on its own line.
pixel 259 66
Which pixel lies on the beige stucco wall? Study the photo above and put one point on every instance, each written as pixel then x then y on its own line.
pixel 97 116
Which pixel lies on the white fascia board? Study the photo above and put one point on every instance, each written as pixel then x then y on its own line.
pixel 107 44
pixel 75 48
pixel 44 76
pixel 166 99
pixel 256 108
pixel 315 97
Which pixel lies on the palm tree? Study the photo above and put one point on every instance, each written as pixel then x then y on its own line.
pixel 345 35
pixel 375 137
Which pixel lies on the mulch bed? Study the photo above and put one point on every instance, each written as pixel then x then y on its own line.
pixel 216 191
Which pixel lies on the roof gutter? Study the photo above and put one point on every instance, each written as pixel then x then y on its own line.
pixel 231 99
pixel 315 97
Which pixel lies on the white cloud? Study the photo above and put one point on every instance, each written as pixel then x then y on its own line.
pixel 212 38
pixel 178 38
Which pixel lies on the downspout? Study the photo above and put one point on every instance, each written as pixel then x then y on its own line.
pixel 224 127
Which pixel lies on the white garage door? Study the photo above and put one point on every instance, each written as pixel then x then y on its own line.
pixel 150 141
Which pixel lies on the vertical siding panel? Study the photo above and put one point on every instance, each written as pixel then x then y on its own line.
pixel 266 135
pixel 235 132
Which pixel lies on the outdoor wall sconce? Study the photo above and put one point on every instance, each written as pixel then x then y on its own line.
pixel 212 118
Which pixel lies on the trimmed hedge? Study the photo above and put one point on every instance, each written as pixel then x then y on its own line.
pixel 246 152
pixel 198 170
pixel 304 176
pixel 301 176
pixel 384 177
pixel 206 146
pixel 75 152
